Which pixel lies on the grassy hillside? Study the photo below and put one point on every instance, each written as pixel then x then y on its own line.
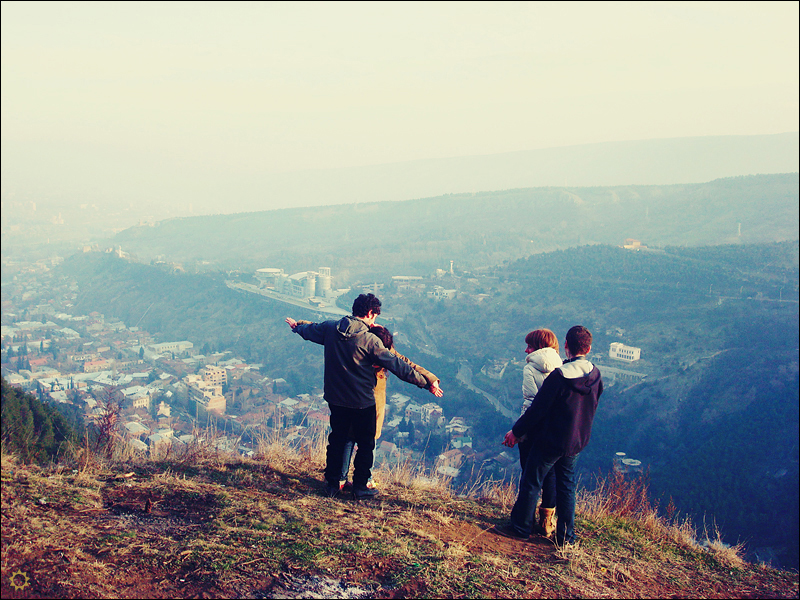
pixel 209 525
pixel 474 230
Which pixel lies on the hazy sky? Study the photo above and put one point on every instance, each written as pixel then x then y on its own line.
pixel 231 88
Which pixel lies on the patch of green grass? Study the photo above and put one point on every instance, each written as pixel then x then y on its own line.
pixel 114 538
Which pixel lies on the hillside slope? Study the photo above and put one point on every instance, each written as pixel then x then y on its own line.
pixel 222 528
pixel 484 229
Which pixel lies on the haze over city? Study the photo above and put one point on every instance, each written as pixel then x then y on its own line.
pixel 213 106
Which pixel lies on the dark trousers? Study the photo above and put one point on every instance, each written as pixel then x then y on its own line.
pixel 539 463
pixel 351 424
pixel 549 483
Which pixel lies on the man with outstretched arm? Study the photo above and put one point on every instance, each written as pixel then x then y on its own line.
pixel 351 353
pixel 559 424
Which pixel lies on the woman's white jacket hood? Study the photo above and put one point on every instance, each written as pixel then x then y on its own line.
pixel 538 365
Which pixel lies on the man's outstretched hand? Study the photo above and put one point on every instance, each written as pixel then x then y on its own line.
pixel 291 322
pixel 436 390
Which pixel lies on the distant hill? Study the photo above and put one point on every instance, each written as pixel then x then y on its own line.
pixel 58 177
pixel 476 230
pixel 640 162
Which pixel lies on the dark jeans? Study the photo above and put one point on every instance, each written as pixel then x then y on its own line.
pixel 539 463
pixel 356 425
pixel 346 458
pixel 549 483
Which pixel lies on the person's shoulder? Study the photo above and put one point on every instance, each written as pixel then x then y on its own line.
pixel 544 360
pixel 375 343
pixel 573 369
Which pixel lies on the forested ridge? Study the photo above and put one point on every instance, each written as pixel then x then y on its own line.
pixel 475 230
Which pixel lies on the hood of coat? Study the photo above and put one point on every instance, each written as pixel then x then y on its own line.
pixel 544 359
pixel 351 326
pixel 581 375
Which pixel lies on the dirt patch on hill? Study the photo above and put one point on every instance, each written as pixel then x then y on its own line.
pixel 249 530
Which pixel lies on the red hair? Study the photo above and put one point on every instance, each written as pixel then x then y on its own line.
pixel 542 338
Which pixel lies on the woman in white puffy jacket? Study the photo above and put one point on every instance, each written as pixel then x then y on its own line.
pixel 542 359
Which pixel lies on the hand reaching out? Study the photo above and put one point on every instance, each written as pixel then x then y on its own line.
pixel 436 390
pixel 510 440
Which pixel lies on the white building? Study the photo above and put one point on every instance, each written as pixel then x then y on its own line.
pixel 620 351
pixel 205 394
pixel 176 347
pixel 457 427
pixel 306 284
pixel 439 293
pixel 214 375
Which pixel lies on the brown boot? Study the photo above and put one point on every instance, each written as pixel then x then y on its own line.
pixel 547 522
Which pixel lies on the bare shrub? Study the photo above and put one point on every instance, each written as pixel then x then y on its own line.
pixel 501 492
pixel 730 555
pixel 628 497
pixel 106 425
pixel 618 495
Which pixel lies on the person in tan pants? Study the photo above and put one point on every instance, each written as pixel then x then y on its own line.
pixel 382 376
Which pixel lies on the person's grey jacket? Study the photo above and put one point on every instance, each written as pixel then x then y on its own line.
pixel 559 420
pixel 350 353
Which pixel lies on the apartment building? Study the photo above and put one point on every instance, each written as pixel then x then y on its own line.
pixel 620 351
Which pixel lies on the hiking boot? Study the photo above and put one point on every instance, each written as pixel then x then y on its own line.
pixel 547 522
pixel 364 493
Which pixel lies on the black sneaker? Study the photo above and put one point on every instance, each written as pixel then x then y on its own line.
pixel 365 493
pixel 509 532
pixel 331 490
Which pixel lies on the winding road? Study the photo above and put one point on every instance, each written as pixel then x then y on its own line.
pixel 464 377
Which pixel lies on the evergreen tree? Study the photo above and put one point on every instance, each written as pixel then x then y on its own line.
pixel 30 428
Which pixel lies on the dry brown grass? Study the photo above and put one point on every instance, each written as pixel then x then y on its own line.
pixel 618 496
pixel 224 525
pixel 503 493
pixel 413 476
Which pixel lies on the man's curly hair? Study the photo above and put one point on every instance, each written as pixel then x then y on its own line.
pixel 365 303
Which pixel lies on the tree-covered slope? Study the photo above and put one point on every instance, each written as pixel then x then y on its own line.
pixel 474 230
pixel 31 429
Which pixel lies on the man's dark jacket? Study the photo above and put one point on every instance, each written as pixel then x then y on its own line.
pixel 559 420
pixel 350 353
